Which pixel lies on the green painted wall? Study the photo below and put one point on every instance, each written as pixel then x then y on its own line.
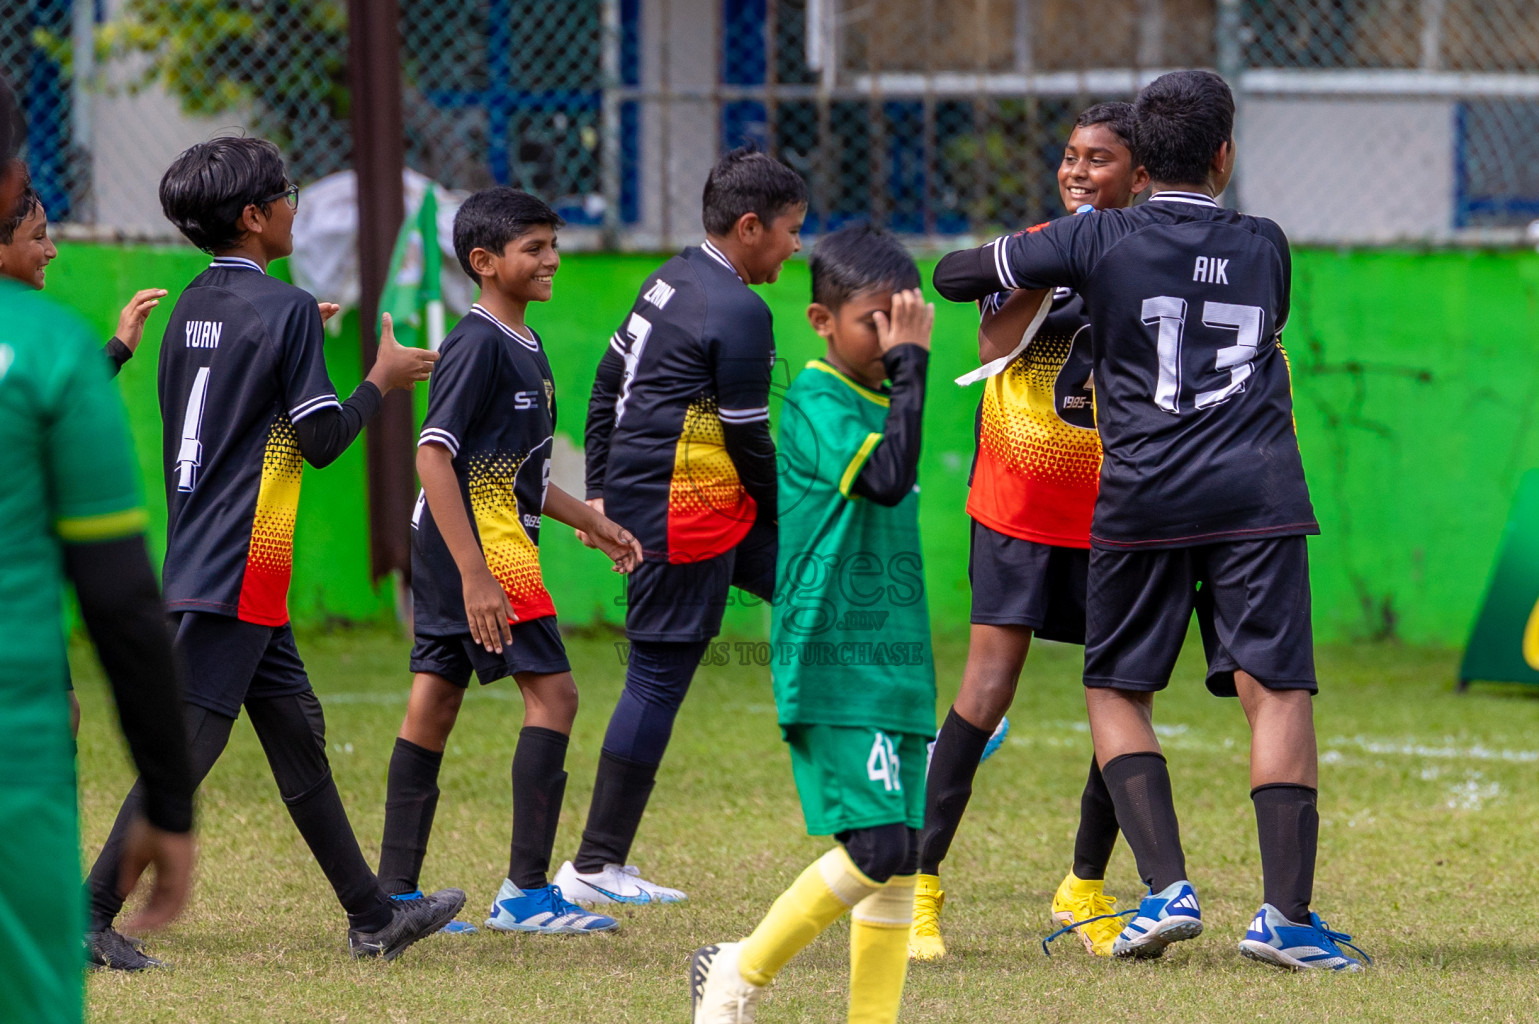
pixel 1416 384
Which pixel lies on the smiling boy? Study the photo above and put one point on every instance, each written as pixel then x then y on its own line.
pixel 480 603
pixel 1033 490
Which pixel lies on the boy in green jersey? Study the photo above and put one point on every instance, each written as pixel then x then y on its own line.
pixel 850 634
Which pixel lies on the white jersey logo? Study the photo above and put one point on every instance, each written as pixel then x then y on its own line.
pixel 659 294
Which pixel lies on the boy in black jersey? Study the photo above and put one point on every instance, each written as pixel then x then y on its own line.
pixel 1201 484
pixel 246 402
pixel 679 452
pixel 1032 490
pixel 480 603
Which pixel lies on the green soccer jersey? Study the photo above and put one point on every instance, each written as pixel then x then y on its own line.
pixel 850 632
pixel 68 475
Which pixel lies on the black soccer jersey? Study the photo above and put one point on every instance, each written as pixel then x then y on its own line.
pixel 1193 401
pixel 695 353
pixel 492 404
pixel 241 363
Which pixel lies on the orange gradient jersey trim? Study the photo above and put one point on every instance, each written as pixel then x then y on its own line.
pixel 512 557
pixel 708 510
pixel 264 588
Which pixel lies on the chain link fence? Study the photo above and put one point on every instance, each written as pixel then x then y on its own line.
pixel 1362 121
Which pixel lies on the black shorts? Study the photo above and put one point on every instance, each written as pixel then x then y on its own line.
pixel 1252 607
pixel 684 602
pixel 227 662
pixel 536 648
pixel 1022 583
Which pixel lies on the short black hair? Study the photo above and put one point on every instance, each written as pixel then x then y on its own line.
pixel 493 217
pixel 206 189
pixel 1182 119
pixel 858 259
pixel 26 203
pixel 748 181
pixel 1117 116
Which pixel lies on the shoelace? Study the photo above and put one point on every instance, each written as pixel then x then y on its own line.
pixel 1340 937
pixel 927 912
pixel 1075 924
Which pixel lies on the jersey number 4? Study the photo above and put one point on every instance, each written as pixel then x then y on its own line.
pixel 1168 314
pixel 190 456
pixel 882 764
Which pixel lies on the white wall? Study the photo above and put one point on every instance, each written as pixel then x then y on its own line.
pixel 1349 171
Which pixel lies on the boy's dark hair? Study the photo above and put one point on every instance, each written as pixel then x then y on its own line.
pixel 206 189
pixel 858 259
pixel 748 181
pixel 1119 119
pixel 493 217
pixel 1182 119
pixel 26 203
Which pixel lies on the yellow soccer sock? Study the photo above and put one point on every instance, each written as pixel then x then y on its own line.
pixel 879 951
pixel 829 887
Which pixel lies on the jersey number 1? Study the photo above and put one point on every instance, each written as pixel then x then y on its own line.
pixel 1168 314
pixel 190 456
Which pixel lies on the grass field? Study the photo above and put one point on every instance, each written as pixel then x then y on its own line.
pixel 1429 836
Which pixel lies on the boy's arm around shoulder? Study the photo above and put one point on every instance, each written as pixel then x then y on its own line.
pixel 892 469
pixel 1058 252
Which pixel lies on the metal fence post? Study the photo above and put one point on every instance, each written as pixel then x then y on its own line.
pixel 1229 47
pixel 609 151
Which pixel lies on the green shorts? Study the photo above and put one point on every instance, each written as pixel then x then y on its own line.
pixel 853 777
pixel 40 902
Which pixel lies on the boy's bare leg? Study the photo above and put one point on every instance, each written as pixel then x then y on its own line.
pixel 1284 778
pixel 411 793
pixel 1122 726
pixel 995 656
pixel 539 775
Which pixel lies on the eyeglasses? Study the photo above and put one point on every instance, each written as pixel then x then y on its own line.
pixel 289 195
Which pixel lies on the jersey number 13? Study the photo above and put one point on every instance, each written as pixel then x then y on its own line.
pixel 1167 314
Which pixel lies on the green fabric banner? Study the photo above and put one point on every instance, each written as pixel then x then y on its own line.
pixel 1504 646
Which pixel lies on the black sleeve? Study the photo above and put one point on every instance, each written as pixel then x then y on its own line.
pixel 967 275
pixel 601 418
pixel 325 433
pixel 120 604
pixel 117 354
pixel 752 451
pixel 892 469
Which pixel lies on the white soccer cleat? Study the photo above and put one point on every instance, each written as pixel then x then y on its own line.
pixel 615 884
pixel 718 992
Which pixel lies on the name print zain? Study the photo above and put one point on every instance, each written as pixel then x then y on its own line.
pixel 204 333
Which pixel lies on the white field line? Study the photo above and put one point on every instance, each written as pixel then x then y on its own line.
pixel 1331 749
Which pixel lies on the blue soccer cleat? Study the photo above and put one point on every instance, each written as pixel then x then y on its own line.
pixel 452 928
pixel 1170 915
pixel 1273 939
pixel 543 911
pixel 996 739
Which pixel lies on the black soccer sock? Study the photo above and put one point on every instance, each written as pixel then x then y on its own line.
pixel 538 786
pixel 207 734
pixel 1097 827
pixel 1288 827
pixel 620 793
pixel 292 731
pixel 411 798
pixel 948 787
pixel 1140 790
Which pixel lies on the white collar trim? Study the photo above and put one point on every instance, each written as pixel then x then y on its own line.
pixel 235 263
pixel 529 342
pixel 1190 198
pixel 717 255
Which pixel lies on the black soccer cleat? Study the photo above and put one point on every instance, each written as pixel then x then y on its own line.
pixel 113 951
pixel 411 920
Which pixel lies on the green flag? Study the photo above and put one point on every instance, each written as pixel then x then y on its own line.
pixel 1504 646
pixel 415 268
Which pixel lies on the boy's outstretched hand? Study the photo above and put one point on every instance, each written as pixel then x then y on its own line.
pixel 397 366
pixel 910 322
pixel 131 320
pixel 615 541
